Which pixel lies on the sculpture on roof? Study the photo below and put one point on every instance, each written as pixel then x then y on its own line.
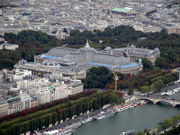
pixel 87 44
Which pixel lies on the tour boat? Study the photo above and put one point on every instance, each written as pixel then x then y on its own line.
pixel 129 132
pixel 143 102
pixel 125 107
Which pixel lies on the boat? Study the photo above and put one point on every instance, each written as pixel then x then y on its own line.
pixel 109 113
pixel 52 132
pixel 69 129
pixel 87 120
pixel 74 125
pixel 143 102
pixel 106 114
pixel 61 131
pixel 66 132
pixel 125 107
pixel 99 116
pixel 129 132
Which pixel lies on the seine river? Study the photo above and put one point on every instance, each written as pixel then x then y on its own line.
pixel 137 118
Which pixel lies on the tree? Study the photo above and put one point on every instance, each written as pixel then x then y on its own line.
pixel 139 133
pixel 54 118
pixel 130 92
pixel 6 63
pixel 166 123
pixel 147 64
pixel 114 99
pixel 98 78
pixel 158 85
pixel 161 62
pixel 163 125
pixel 146 131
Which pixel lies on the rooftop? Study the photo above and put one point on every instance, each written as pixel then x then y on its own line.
pixel 122 10
pixel 11 99
pixel 50 57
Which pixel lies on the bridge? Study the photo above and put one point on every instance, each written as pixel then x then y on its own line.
pixel 156 100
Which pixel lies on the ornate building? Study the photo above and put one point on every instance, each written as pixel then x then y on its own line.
pixel 133 53
pixel 85 58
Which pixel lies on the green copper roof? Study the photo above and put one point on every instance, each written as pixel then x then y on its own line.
pixel 13 98
pixel 50 88
pixel 123 10
pixel 140 60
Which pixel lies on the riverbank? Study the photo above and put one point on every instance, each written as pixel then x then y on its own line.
pixel 137 118
pixel 59 111
pixel 76 120
pixel 110 110
pixel 97 115
pixel 83 118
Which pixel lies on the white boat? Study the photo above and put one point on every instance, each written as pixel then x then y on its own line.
pixel 61 131
pixel 99 116
pixel 129 132
pixel 52 132
pixel 72 126
pixel 109 113
pixel 87 120
pixel 66 132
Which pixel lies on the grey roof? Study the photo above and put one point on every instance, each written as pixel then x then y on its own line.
pixel 60 51
pixel 139 52
pixel 87 57
pixel 79 58
pixel 110 59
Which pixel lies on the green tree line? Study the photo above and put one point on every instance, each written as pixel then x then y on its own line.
pixel 35 42
pixel 30 43
pixel 157 83
pixel 43 118
pixel 152 80
pixel 169 44
pixel 46 106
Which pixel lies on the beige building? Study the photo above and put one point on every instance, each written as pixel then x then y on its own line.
pixel 3 107
pixel 9 46
pixel 50 66
pixel 175 29
pixel 75 87
pixel 14 105
pixel 34 102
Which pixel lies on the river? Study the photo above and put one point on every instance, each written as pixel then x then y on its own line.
pixel 137 118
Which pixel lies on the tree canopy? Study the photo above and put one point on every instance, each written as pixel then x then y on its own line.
pixel 30 43
pixel 147 64
pixel 63 110
pixel 36 42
